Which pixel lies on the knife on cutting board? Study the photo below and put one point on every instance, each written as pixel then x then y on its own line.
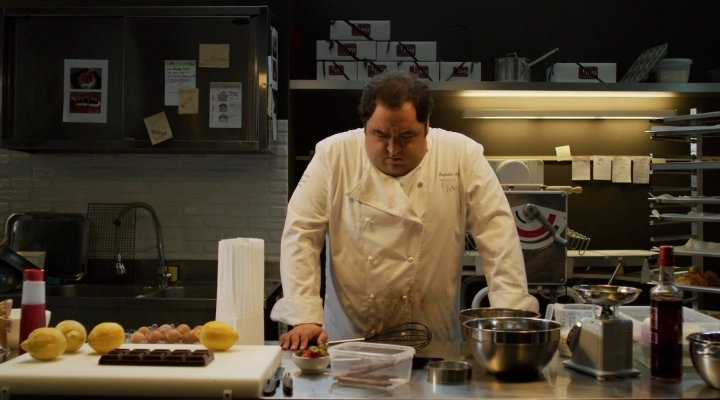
pixel 273 382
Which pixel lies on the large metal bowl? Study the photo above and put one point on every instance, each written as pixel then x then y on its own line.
pixel 705 356
pixel 512 345
pixel 492 312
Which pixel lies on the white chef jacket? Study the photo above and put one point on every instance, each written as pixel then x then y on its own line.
pixel 395 244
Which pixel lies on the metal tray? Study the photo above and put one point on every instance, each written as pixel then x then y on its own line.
pixel 63 237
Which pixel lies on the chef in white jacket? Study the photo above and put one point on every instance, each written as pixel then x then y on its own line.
pixel 393 201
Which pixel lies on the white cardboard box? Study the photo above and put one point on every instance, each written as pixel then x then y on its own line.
pixel 420 69
pixel 460 71
pixel 571 72
pixel 342 30
pixel 345 50
pixel 404 51
pixel 366 70
pixel 337 70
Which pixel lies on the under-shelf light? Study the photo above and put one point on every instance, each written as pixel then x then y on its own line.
pixel 565 114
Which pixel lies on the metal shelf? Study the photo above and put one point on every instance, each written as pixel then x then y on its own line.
pixel 691 288
pixel 685 200
pixel 689 117
pixel 693 131
pixel 689 88
pixel 702 217
pixel 685 166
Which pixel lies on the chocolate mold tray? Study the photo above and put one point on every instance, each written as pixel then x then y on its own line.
pixel 158 357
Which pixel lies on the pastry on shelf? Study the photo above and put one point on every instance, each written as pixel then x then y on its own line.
pixel 712 278
pixel 693 277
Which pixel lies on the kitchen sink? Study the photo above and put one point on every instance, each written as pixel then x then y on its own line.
pixel 184 292
pixel 87 290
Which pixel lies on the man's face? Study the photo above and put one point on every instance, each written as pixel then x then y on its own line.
pixel 395 141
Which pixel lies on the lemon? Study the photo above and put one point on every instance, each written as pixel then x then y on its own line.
pixel 75 334
pixel 106 336
pixel 218 335
pixel 45 344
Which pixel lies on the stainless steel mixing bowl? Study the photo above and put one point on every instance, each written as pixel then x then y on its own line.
pixel 492 312
pixel 705 356
pixel 513 345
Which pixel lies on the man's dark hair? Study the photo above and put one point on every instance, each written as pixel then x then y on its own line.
pixel 393 89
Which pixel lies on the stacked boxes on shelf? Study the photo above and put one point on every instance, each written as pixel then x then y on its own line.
pixel 351 47
pixel 359 50
pixel 418 58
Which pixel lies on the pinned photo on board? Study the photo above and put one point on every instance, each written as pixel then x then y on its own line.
pixel 85 91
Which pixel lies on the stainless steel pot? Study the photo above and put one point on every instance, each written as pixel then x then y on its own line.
pixel 516 69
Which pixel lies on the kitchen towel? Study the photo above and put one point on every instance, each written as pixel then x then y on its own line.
pixel 240 288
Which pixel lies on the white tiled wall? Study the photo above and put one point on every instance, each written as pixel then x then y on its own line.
pixel 199 199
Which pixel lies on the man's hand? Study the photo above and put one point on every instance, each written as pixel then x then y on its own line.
pixel 300 335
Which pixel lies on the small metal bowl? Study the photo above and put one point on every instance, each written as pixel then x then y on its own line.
pixel 449 372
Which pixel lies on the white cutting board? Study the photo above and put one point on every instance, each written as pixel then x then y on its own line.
pixel 239 372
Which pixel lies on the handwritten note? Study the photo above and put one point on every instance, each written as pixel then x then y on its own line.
pixel 641 170
pixel 581 168
pixel 178 74
pixel 621 169
pixel 602 167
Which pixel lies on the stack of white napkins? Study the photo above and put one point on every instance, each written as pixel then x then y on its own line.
pixel 241 288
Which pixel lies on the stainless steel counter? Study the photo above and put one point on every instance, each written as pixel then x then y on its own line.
pixel 554 382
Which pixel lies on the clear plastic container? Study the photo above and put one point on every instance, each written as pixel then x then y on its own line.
pixel 371 365
pixel 672 70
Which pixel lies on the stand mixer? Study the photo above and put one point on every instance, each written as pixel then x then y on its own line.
pixel 602 345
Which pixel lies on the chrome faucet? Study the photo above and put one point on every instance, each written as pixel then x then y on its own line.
pixel 162 273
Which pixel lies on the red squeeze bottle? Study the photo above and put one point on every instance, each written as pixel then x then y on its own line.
pixel 32 314
pixel 666 317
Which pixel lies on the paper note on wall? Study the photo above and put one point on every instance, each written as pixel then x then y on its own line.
pixel 641 169
pixel 214 56
pixel 581 168
pixel 621 169
pixel 602 168
pixel 178 74
pixel 563 153
pixel 158 128
pixel 225 104
pixel 188 101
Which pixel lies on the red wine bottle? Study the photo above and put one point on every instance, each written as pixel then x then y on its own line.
pixel 666 316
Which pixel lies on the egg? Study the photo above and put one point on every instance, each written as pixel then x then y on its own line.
pixel 164 327
pixel 154 336
pixel 144 330
pixel 190 337
pixel 173 336
pixel 137 337
pixel 183 328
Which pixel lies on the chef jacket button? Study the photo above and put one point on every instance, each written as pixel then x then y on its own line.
pixel 372 296
pixel 370 259
pixel 367 219
pixel 410 259
pixel 404 297
pixel 420 184
pixel 373 331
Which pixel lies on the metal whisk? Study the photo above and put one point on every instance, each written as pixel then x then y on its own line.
pixel 412 334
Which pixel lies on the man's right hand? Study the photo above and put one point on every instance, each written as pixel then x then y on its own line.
pixel 300 335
